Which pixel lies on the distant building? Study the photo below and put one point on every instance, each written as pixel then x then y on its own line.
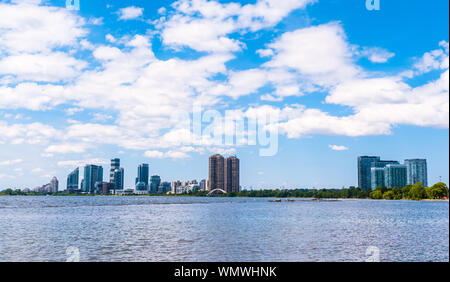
pixel 377 177
pixel 54 185
pixel 417 171
pixel 232 175
pixel 203 185
pixel 107 188
pixel 73 179
pixel 92 175
pixel 115 164
pixel 364 172
pixel 98 187
pixel 216 172
pixel 142 177
pixel 155 181
pixel 377 173
pixel 395 175
pixel 175 186
pixel 164 187
pixel 119 179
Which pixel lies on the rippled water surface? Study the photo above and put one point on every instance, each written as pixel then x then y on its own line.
pixel 220 229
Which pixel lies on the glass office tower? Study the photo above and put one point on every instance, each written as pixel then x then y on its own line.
pixel 395 175
pixel 417 171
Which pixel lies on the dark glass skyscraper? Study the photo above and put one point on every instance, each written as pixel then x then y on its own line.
pixel 155 181
pixel 115 164
pixel 417 171
pixel 142 177
pixel 216 173
pixel 377 177
pixel 232 174
pixel 395 175
pixel 73 179
pixel 92 174
pixel 364 172
pixel 119 175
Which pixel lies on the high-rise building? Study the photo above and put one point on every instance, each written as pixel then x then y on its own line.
pixel 92 174
pixel 377 177
pixel 364 172
pixel 232 174
pixel 73 179
pixel 54 183
pixel 382 164
pixel 395 176
pixel 377 173
pixel 142 177
pixel 155 181
pixel 417 171
pixel 119 175
pixel 216 172
pixel 115 164
pixel 203 185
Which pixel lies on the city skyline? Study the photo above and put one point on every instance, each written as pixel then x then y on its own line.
pixel 224 174
pixel 340 80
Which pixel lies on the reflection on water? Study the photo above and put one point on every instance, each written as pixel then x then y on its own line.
pixel 220 229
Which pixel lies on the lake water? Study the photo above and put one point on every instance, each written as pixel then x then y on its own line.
pixel 220 229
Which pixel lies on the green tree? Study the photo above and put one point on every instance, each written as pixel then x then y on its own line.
pixel 417 192
pixel 438 191
pixel 397 193
pixel 377 195
pixel 405 191
pixel 388 195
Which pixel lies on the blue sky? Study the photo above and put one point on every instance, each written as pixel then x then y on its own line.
pixel 117 78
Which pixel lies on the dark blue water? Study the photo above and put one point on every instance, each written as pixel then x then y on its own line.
pixel 220 229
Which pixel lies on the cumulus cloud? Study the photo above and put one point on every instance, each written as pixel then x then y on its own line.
pixel 78 163
pixel 130 13
pixel 169 154
pixel 338 148
pixel 10 162
pixel 143 92
pixel 377 55
pixel 67 148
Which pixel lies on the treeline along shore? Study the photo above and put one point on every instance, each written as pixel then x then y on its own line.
pixel 410 192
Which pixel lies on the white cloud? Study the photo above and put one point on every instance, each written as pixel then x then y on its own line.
pixel 170 154
pixel 11 162
pixel 320 54
pixel 78 163
pixel 32 133
pixel 433 60
pixel 265 52
pixel 130 13
pixel 67 148
pixel 31 28
pixel 377 55
pixel 53 67
pixel 338 148
pixel 205 25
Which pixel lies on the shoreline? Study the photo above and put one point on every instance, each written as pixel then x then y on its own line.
pixel 287 199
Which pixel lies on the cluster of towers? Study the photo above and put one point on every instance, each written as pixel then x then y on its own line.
pixel 223 174
pixel 374 172
pixel 93 183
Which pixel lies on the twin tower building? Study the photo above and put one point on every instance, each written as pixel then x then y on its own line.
pixel 223 174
